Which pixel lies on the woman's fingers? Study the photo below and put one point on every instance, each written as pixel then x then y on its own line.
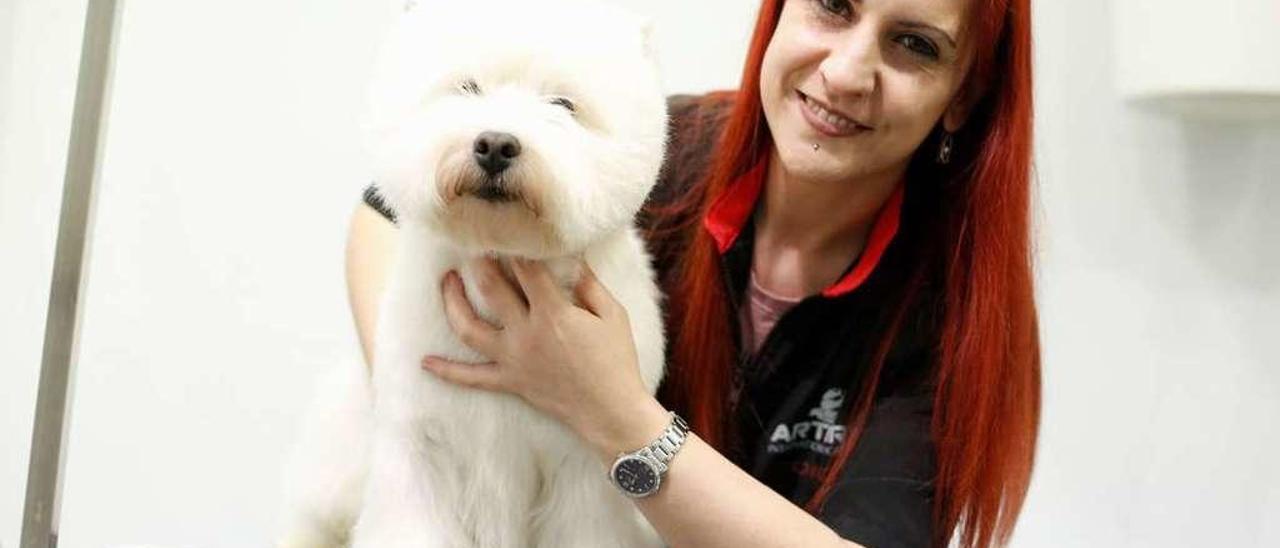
pixel 593 295
pixel 498 291
pixel 486 376
pixel 538 284
pixel 471 329
pixel 541 289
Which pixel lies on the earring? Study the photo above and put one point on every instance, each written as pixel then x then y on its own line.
pixel 944 150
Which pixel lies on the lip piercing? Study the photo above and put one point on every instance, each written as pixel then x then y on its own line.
pixel 815 147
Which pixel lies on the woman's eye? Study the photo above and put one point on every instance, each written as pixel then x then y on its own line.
pixel 837 7
pixel 469 87
pixel 564 102
pixel 919 45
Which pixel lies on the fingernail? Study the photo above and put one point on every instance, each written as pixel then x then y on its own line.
pixel 428 362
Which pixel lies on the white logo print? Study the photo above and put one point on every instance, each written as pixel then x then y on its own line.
pixel 822 435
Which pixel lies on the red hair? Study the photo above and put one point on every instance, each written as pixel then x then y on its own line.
pixel 987 402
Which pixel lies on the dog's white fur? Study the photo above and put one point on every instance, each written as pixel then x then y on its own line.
pixel 403 458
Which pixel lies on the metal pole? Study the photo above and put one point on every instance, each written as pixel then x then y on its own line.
pixel 62 326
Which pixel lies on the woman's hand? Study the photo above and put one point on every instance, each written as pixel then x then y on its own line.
pixel 574 362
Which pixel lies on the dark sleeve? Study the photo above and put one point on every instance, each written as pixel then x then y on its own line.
pixel 379 204
pixel 884 499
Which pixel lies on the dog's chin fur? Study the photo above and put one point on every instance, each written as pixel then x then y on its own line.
pixel 509 228
pixel 401 458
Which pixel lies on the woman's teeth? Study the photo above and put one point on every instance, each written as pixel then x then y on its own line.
pixel 840 122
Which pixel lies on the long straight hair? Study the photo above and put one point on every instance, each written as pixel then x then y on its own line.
pixel 987 400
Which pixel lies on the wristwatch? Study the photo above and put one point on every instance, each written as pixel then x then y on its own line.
pixel 639 473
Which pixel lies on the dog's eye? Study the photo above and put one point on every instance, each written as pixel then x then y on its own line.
pixel 469 87
pixel 564 102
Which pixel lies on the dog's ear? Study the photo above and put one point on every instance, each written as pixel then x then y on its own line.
pixel 647 41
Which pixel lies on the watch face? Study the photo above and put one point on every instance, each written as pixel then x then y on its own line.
pixel 635 476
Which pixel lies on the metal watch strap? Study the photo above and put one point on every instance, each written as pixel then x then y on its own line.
pixel 668 443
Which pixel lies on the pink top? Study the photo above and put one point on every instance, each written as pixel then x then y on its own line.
pixel 760 312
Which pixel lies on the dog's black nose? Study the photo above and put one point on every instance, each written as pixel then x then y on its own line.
pixel 495 151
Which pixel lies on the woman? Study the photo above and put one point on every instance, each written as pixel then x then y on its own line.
pixel 844 242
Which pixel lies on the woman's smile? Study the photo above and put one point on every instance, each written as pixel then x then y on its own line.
pixel 825 121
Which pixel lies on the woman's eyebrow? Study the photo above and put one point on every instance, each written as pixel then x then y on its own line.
pixel 925 26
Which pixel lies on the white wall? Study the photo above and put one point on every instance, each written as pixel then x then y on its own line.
pixel 232 164
pixel 1160 296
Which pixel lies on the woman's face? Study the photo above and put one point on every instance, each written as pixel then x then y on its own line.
pixel 865 80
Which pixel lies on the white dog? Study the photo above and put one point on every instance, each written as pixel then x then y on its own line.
pixel 511 128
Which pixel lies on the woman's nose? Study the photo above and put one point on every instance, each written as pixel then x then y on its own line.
pixel 852 67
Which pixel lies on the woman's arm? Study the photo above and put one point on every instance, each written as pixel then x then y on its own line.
pixel 370 244
pixel 578 364
pixel 705 500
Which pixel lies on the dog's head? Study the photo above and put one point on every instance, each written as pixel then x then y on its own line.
pixel 521 127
